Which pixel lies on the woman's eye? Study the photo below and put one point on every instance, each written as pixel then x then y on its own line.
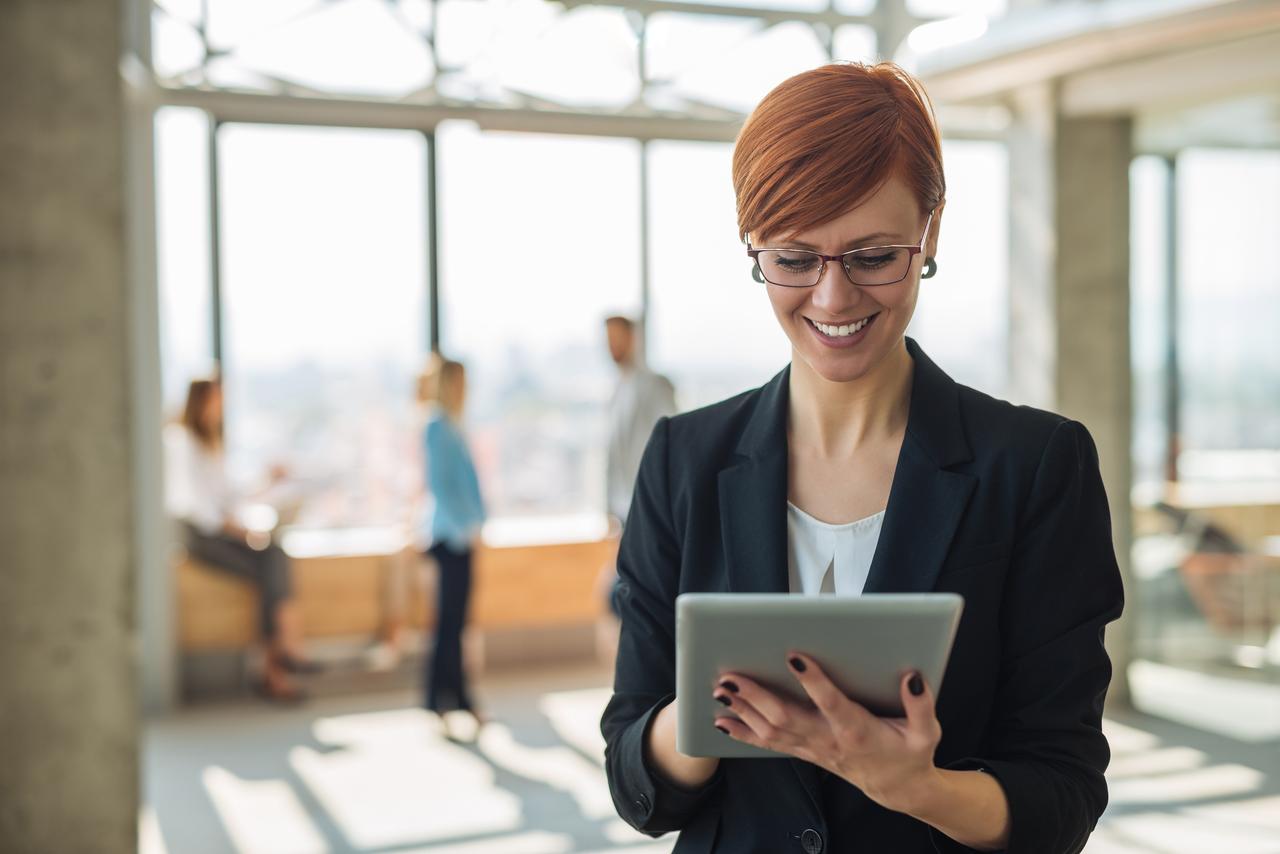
pixel 795 263
pixel 872 262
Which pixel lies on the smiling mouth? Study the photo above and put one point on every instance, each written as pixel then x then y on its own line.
pixel 842 330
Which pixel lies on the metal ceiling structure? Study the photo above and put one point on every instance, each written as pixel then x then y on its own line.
pixel 653 114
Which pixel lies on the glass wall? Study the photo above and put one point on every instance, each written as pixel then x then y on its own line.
pixel 324 236
pixel 962 316
pixel 182 244
pixel 711 330
pixel 539 242
pixel 324 271
pixel 1228 210
pixel 1207 463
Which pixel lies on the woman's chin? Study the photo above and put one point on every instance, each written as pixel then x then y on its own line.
pixel 837 368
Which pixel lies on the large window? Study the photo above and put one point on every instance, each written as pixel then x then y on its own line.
pixel 323 232
pixel 962 316
pixel 323 236
pixel 182 244
pixel 1229 311
pixel 540 241
pixel 1149 194
pixel 1228 308
pixel 711 329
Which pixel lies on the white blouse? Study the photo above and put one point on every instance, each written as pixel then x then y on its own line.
pixel 826 558
pixel 196 488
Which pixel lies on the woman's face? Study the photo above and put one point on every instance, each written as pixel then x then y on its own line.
pixel 891 216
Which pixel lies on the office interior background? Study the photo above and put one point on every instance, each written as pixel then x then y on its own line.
pixel 311 196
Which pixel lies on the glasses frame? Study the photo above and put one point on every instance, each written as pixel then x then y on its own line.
pixel 913 250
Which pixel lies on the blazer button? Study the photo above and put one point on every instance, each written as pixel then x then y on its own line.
pixel 643 802
pixel 811 841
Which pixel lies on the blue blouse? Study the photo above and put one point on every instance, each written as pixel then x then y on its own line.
pixel 458 510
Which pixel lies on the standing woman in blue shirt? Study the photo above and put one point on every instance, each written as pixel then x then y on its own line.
pixel 455 515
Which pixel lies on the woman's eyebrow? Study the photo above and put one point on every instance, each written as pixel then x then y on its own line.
pixel 849 244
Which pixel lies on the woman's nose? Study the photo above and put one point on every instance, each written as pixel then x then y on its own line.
pixel 834 293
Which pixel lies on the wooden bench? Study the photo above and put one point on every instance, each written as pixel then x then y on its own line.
pixel 517 589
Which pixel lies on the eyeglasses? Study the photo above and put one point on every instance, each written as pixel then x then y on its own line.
pixel 868 267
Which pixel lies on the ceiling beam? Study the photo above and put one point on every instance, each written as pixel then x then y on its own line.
pixel 1185 78
pixel 230 106
pixel 1060 40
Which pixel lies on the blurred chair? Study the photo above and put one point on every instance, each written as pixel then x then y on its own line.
pixel 1235 588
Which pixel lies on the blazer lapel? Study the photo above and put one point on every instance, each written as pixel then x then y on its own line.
pixel 925 507
pixel 926 501
pixel 753 498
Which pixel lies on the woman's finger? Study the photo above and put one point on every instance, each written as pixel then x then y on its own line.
pixel 739 731
pixel 764 730
pixel 842 714
pixel 777 711
pixel 917 700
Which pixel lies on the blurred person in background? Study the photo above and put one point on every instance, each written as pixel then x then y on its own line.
pixel 451 527
pixel 199 497
pixel 639 400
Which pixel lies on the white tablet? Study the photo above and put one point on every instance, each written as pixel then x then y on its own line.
pixel 865 643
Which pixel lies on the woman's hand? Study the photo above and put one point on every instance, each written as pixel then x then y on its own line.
pixel 889 759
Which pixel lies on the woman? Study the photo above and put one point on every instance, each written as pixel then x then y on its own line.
pixel 864 468
pixel 198 496
pixel 456 516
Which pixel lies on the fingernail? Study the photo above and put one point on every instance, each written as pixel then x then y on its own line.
pixel 797 665
pixel 723 699
pixel 729 686
pixel 722 729
pixel 915 685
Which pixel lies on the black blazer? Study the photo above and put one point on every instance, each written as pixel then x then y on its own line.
pixel 1000 503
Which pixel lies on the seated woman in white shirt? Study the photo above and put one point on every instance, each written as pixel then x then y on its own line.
pixel 199 497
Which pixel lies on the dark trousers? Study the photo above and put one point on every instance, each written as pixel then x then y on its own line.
pixel 445 680
pixel 267 569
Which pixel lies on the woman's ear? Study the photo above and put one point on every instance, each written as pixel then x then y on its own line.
pixel 931 242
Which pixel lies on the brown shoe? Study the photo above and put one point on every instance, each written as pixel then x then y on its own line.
pixel 280 692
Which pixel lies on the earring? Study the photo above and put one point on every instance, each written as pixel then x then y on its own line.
pixel 930 268
pixel 757 274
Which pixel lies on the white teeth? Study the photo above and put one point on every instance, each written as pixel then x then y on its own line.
pixel 841 331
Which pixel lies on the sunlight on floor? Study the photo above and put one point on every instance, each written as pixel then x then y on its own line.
pixel 533 783
pixel 393 780
pixel 262 816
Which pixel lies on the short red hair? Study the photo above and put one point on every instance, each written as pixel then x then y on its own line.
pixel 825 140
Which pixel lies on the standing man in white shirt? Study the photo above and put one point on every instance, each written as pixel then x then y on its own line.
pixel 641 398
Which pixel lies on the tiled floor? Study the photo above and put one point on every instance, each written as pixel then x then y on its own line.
pixel 370 774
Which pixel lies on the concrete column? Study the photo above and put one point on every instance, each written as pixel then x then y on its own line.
pixel 1093 372
pixel 1069 296
pixel 68 709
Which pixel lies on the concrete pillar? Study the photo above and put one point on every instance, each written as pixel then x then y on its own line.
pixel 1094 374
pixel 68 709
pixel 1069 295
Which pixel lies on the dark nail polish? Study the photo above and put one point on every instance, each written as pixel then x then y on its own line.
pixel 915 685
pixel 797 665
pixel 722 729
pixel 729 686
pixel 723 699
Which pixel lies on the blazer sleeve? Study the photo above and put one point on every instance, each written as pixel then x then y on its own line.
pixel 644 680
pixel 1047 748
